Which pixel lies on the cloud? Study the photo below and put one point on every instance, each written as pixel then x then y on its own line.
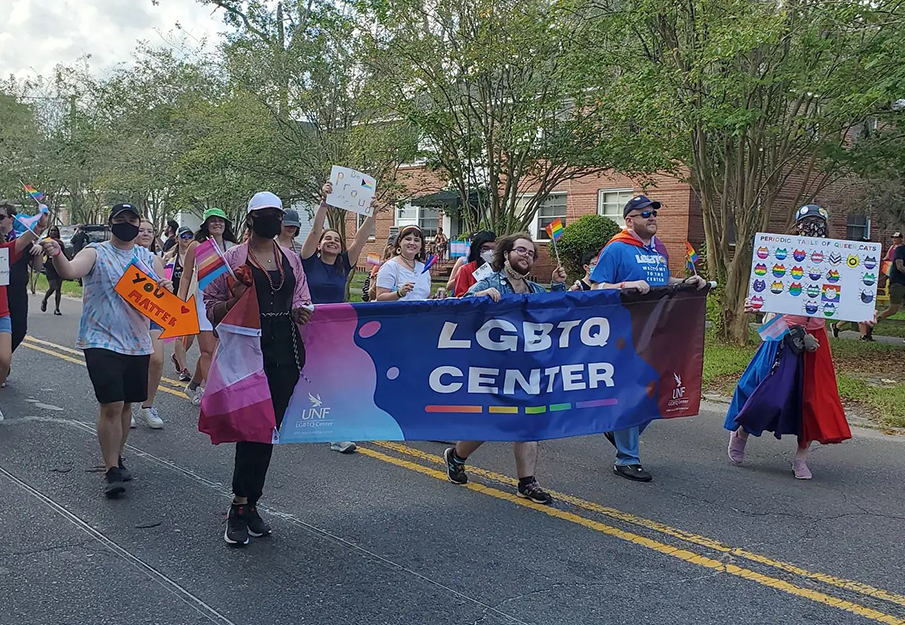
pixel 36 35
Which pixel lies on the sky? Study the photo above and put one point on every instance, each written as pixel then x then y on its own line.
pixel 36 35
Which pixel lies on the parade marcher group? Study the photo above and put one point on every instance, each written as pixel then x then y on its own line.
pixel 788 388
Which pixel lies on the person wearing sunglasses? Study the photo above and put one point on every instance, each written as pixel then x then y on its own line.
pixel 635 260
pixel 513 259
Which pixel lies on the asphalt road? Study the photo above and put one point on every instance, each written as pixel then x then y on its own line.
pixel 382 537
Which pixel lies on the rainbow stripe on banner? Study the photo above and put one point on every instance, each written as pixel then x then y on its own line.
pixel 555 229
pixel 209 263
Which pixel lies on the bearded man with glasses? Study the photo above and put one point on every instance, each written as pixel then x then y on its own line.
pixel 635 260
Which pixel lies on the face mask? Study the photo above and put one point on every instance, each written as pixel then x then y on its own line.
pixel 591 269
pixel 812 228
pixel 124 231
pixel 487 256
pixel 266 226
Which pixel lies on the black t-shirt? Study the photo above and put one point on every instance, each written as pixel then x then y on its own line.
pixel 896 276
pixel 168 244
pixel 277 329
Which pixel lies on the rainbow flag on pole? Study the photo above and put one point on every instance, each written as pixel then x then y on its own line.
pixel 36 195
pixel 555 229
pixel 374 259
pixel 690 254
pixel 209 263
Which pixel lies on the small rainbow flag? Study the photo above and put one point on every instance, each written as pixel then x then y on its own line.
pixel 555 229
pixel 209 263
pixel 374 259
pixel 36 195
pixel 430 263
pixel 690 254
pixel 366 184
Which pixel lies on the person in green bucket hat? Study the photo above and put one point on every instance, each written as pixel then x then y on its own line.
pixel 214 225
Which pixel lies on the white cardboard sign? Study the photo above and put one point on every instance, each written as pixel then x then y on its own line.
pixel 831 279
pixel 352 190
pixel 4 266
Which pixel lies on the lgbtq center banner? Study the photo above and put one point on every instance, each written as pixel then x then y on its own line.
pixel 530 367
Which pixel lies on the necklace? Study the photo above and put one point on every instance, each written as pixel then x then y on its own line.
pixel 257 263
pixel 408 263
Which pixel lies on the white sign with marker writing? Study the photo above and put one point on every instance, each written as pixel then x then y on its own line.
pixel 4 266
pixel 352 190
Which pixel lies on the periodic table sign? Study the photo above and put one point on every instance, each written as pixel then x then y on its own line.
pixel 827 278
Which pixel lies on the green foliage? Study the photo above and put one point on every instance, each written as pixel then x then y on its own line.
pixel 589 234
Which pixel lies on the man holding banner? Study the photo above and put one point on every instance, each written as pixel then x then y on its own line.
pixel 115 336
pixel 635 260
pixel 513 259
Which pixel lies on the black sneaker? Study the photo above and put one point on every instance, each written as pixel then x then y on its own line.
pixel 125 473
pixel 115 486
pixel 236 525
pixel 44 306
pixel 455 471
pixel 256 525
pixel 535 493
pixel 633 472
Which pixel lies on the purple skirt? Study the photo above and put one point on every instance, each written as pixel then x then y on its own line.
pixel 775 405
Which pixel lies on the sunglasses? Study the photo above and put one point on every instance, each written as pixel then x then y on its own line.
pixel 524 251
pixel 645 214
pixel 187 235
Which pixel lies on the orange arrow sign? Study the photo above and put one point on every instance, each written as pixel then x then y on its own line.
pixel 176 317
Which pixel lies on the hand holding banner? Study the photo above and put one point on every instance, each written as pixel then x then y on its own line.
pixel 140 290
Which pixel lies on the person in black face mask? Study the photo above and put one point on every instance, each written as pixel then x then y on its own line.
pixel 116 337
pixel 270 282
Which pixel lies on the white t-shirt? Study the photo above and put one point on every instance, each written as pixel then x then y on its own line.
pixel 393 275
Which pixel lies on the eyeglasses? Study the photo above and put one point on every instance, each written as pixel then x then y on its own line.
pixel 187 236
pixel 645 214
pixel 524 251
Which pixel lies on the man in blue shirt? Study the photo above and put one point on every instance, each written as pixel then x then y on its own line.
pixel 635 260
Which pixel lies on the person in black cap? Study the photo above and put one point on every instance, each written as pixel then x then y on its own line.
pixel 115 337
pixel 635 260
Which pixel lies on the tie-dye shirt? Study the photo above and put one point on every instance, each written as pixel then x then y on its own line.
pixel 108 322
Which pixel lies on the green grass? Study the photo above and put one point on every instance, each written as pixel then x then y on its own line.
pixel 71 288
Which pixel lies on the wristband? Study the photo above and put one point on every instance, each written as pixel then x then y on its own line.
pixel 60 251
pixel 399 294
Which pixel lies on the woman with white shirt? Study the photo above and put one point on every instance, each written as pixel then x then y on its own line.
pixel 403 276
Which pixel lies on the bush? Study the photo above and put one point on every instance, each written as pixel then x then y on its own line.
pixel 588 234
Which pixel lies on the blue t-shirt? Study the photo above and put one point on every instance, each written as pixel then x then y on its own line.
pixel 327 283
pixel 621 262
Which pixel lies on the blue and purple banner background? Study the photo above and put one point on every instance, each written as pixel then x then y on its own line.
pixel 530 367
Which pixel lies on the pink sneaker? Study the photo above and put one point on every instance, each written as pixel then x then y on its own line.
pixel 800 467
pixel 737 448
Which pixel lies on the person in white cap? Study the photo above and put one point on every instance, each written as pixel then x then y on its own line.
pixel 277 281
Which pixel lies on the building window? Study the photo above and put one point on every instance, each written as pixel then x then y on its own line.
pixel 610 202
pixel 359 222
pixel 552 208
pixel 425 217
pixel 857 228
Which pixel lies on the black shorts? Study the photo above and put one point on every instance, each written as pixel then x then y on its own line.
pixel 117 377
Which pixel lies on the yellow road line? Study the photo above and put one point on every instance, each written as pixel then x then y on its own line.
pixel 668 550
pixel 82 362
pixel 686 555
pixel 79 353
pixel 845 584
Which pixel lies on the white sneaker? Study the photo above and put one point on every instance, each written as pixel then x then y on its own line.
pixel 132 422
pixel 195 395
pixel 151 418
pixel 343 447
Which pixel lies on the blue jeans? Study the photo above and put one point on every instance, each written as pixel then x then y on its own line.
pixel 627 451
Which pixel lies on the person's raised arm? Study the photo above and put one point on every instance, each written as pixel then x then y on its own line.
pixel 317 226
pixel 187 271
pixel 361 237
pixel 78 267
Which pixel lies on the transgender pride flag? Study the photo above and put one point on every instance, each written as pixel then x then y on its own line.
pixel 209 263
pixel 236 405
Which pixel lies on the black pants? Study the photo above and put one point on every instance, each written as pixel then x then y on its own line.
pixel 18 315
pixel 253 459
pixel 56 287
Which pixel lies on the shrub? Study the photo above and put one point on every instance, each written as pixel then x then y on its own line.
pixel 588 234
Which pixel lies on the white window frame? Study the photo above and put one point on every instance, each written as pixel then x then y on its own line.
pixel 600 203
pixel 418 216
pixel 535 222
pixel 359 221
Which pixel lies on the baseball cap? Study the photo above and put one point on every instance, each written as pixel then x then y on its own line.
pixel 638 202
pixel 122 208
pixel 214 212
pixel 183 230
pixel 264 199
pixel 291 218
pixel 811 210
pixel 896 235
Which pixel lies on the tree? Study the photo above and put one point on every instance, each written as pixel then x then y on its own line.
pixel 588 234
pixel 755 101
pixel 494 92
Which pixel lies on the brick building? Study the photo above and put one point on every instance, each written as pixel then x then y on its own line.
pixel 680 219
